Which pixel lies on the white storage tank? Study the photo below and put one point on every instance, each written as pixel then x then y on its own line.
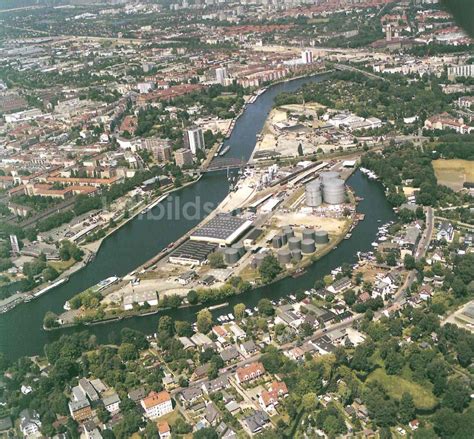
pixel 258 259
pixel 328 175
pixel 334 191
pixel 277 241
pixel 313 196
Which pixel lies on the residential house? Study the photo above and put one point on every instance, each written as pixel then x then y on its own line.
pixel 189 395
pixel 88 389
pixel 230 354
pixel 381 289
pixel 425 292
pixel 80 410
pixel 164 430
pixel 212 415
pixel 340 285
pixel 249 372
pixel 268 399
pixel 157 404
pixel 112 403
pixel 237 331
pixel 215 385
pixel 445 232
pixel 255 422
pixel 30 422
pixel 248 348
pixel 136 395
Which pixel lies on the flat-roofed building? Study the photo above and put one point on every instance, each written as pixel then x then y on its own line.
pixel 223 229
pixel 183 157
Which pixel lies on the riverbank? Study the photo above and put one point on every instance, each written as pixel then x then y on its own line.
pixel 155 276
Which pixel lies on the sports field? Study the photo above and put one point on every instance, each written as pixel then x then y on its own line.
pixel 454 173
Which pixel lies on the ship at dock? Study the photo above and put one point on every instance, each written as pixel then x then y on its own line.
pixel 224 151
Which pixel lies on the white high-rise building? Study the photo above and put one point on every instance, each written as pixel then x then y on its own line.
pixel 307 56
pixel 194 139
pixel 221 75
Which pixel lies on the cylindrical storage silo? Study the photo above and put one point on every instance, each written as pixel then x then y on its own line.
pixel 308 234
pixel 284 256
pixel 328 175
pixel 294 243
pixel 313 197
pixel 288 231
pixel 283 238
pixel 240 247
pixel 334 191
pixel 259 259
pixel 231 256
pixel 321 237
pixel 296 255
pixel 308 246
pixel 277 241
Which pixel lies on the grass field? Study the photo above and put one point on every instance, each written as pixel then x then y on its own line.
pixel 396 386
pixel 453 173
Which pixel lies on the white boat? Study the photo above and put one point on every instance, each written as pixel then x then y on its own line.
pixel 231 316
pixel 292 297
pixel 50 287
pixel 374 244
pixel 106 282
pixel 67 306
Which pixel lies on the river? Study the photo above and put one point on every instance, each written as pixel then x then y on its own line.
pixel 21 330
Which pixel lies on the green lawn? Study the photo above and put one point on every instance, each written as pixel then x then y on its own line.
pixel 396 386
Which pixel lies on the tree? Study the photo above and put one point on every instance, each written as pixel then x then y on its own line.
pixel 192 297
pixel 300 150
pixel 183 328
pixel 204 321
pixel 309 401
pixel 391 259
pixel 409 262
pixel 456 396
pixel 205 433
pixel 127 352
pixel 269 268
pixel 166 326
pixel 350 297
pixel 50 320
pixel 406 410
pixel 239 311
pixel 216 260
pixel 265 307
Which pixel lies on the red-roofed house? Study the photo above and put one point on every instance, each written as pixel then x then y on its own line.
pixel 157 404
pixel 268 399
pixel 249 372
pixel 164 430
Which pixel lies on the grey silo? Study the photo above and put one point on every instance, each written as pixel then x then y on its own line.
pixel 296 255
pixel 240 247
pixel 288 232
pixel 283 237
pixel 334 191
pixel 321 237
pixel 231 256
pixel 294 243
pixel 328 175
pixel 259 259
pixel 308 246
pixel 313 196
pixel 277 241
pixel 284 256
pixel 308 234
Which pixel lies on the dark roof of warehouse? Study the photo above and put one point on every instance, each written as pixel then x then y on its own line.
pixel 194 250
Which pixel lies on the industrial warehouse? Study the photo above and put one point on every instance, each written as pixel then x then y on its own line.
pixel 294 213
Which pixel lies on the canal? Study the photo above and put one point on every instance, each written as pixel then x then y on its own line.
pixel 21 330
